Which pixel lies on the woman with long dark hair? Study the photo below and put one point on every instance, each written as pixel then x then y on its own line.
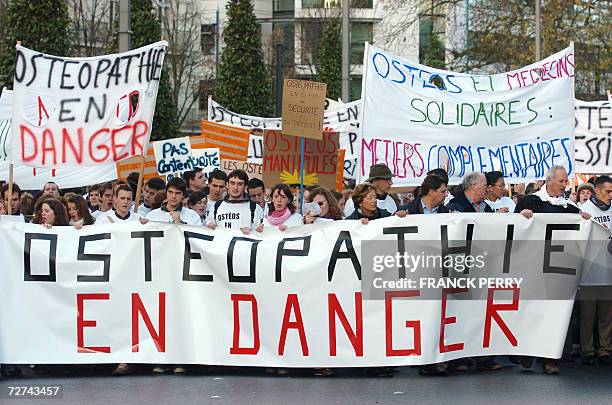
pixel 50 212
pixel 282 210
pixel 330 211
pixel 78 212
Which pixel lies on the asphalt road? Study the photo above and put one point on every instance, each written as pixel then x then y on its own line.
pixel 95 385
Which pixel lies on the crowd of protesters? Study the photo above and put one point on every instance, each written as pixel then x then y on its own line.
pixel 233 201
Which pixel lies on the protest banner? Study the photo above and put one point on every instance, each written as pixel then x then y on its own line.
pixel 281 159
pixel 6 113
pixel 164 293
pixel 338 117
pixel 255 149
pixel 83 111
pixel 416 118
pixel 303 106
pixel 593 121
pixel 231 141
pixel 253 170
pixel 127 166
pixel 207 159
pixel 173 155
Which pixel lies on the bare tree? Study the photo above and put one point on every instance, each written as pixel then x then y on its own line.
pixel 185 61
pixel 93 26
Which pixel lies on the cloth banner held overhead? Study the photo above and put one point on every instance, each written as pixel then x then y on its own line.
pixel 83 111
pixel 6 113
pixel 307 297
pixel 416 118
pixel 593 137
pixel 338 117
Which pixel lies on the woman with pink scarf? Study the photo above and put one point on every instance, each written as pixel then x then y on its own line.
pixel 282 213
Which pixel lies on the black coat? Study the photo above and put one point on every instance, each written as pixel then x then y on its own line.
pixel 461 204
pixel 534 203
pixel 379 213
pixel 415 207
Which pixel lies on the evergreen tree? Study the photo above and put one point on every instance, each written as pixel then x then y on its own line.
pixel 147 30
pixel 329 69
pixel 243 82
pixel 42 25
pixel 434 55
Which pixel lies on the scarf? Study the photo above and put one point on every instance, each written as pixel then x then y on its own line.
pixel 599 204
pixel 558 201
pixel 277 218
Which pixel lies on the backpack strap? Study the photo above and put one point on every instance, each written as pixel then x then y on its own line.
pixel 253 207
pixel 216 207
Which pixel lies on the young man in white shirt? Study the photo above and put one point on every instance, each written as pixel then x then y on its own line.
pixel 257 193
pixel 381 177
pixel 600 203
pixel 151 188
pixel 121 211
pixel 172 210
pixel 237 211
pixel 495 193
pixel 596 301
pixel 105 199
pixel 217 185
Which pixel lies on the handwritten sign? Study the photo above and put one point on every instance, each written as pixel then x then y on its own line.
pixel 207 159
pixel 253 170
pixel 255 149
pixel 303 105
pixel 593 137
pixel 281 159
pixel 83 111
pixel 173 155
pixel 416 118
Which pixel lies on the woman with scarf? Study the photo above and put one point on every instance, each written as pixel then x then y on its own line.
pixel 78 212
pixel 282 213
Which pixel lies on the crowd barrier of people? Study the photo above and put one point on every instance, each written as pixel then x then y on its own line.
pixel 236 202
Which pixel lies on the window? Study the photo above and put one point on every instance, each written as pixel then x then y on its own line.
pixel 313 3
pixel 208 33
pixel 310 41
pixel 360 33
pixel 284 5
pixel 355 87
pixel 362 3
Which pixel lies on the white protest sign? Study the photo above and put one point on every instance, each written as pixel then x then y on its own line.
pixel 173 155
pixel 255 149
pixel 6 113
pixel 593 137
pixel 338 117
pixel 321 307
pixel 207 159
pixel 416 118
pixel 83 111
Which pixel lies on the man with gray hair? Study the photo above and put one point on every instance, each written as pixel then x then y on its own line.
pixel 472 197
pixel 549 199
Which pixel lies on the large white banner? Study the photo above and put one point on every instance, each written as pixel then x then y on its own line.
pixel 307 297
pixel 338 117
pixel 593 137
pixel 83 111
pixel 416 118
pixel 6 112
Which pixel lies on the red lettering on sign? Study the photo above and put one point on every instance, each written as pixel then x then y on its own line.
pixel 448 321
pixel 292 305
pixel 492 313
pixel 415 325
pixel 236 349
pixel 82 324
pixel 355 335
pixel 138 308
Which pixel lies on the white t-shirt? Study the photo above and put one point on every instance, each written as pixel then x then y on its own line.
pixel 503 202
pixel 603 218
pixel 235 215
pixel 386 204
pixel 110 217
pixel 97 213
pixel 143 210
pixel 187 216
pixel 294 220
pixel 210 205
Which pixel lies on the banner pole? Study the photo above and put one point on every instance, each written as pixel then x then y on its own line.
pixel 139 185
pixel 301 173
pixel 9 209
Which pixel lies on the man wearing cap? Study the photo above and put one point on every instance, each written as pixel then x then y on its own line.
pixel 381 177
